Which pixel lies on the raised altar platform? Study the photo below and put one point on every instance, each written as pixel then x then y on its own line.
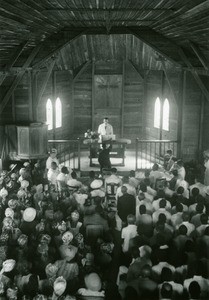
pixel 117 151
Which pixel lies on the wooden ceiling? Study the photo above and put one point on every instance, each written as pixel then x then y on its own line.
pixel 76 31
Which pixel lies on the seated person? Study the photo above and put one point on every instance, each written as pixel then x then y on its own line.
pixel 104 157
pixel 113 178
pixel 52 158
pixel 53 173
pixel 167 157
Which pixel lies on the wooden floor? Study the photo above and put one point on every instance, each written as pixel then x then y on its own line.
pixel 130 162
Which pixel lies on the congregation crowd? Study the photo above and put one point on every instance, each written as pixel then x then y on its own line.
pixel 142 236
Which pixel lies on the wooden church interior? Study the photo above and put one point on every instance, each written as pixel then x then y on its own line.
pixel 142 64
pixel 107 58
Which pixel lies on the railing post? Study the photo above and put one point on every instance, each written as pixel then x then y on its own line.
pixel 136 167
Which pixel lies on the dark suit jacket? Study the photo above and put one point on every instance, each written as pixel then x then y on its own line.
pixel 126 206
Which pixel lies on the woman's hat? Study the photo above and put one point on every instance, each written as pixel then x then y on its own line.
pixel 96 184
pixel 73 183
pixel 93 282
pixel 29 214
pixel 12 203
pixel 3 192
pixel 9 212
pixel 67 237
pixel 60 286
pixel 8 265
pixel 98 193
pixel 22 240
pixel 51 270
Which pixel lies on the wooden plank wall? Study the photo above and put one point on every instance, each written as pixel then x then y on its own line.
pixel 191 111
pixel 191 119
pixel 133 98
pixel 153 90
pixel 63 90
pixel 76 98
pixel 82 95
pixel 205 125
pixel 17 109
pixel 133 104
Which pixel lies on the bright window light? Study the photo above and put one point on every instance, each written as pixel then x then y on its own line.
pixel 166 113
pixel 49 114
pixel 157 113
pixel 58 111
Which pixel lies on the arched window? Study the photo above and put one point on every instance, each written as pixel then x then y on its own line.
pixel 166 113
pixel 58 111
pixel 157 113
pixel 49 114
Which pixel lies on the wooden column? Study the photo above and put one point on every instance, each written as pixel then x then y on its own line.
pixel 201 126
pixel 144 106
pixel 72 104
pixel 93 96
pixel 34 93
pixel 53 102
pixel 122 102
pixel 161 106
pixel 13 108
pixel 30 97
pixel 181 101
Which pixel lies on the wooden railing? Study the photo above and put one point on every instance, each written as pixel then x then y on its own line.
pixel 152 151
pixel 68 152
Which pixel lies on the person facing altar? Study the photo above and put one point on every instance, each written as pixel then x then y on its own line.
pixel 105 130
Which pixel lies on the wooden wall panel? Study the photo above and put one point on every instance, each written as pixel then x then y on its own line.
pixel 191 111
pixel 63 90
pixel 82 94
pixel 154 90
pixel 191 119
pixel 133 103
pixel 205 137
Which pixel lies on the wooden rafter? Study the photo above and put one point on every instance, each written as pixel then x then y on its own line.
pixel 199 54
pixel 12 61
pixel 135 67
pixel 56 42
pixel 15 56
pixel 169 81
pixel 101 9
pixel 18 78
pixel 81 70
pixel 195 74
pixel 156 41
pixel 45 81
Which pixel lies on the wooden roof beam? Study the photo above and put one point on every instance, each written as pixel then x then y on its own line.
pixel 59 40
pixel 136 69
pixel 169 81
pixel 45 81
pixel 12 61
pixel 101 9
pixel 81 70
pixel 199 54
pixel 18 78
pixel 195 74
pixel 151 38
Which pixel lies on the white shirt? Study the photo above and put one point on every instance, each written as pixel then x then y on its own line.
pixel 49 162
pixel 105 129
pixel 128 233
